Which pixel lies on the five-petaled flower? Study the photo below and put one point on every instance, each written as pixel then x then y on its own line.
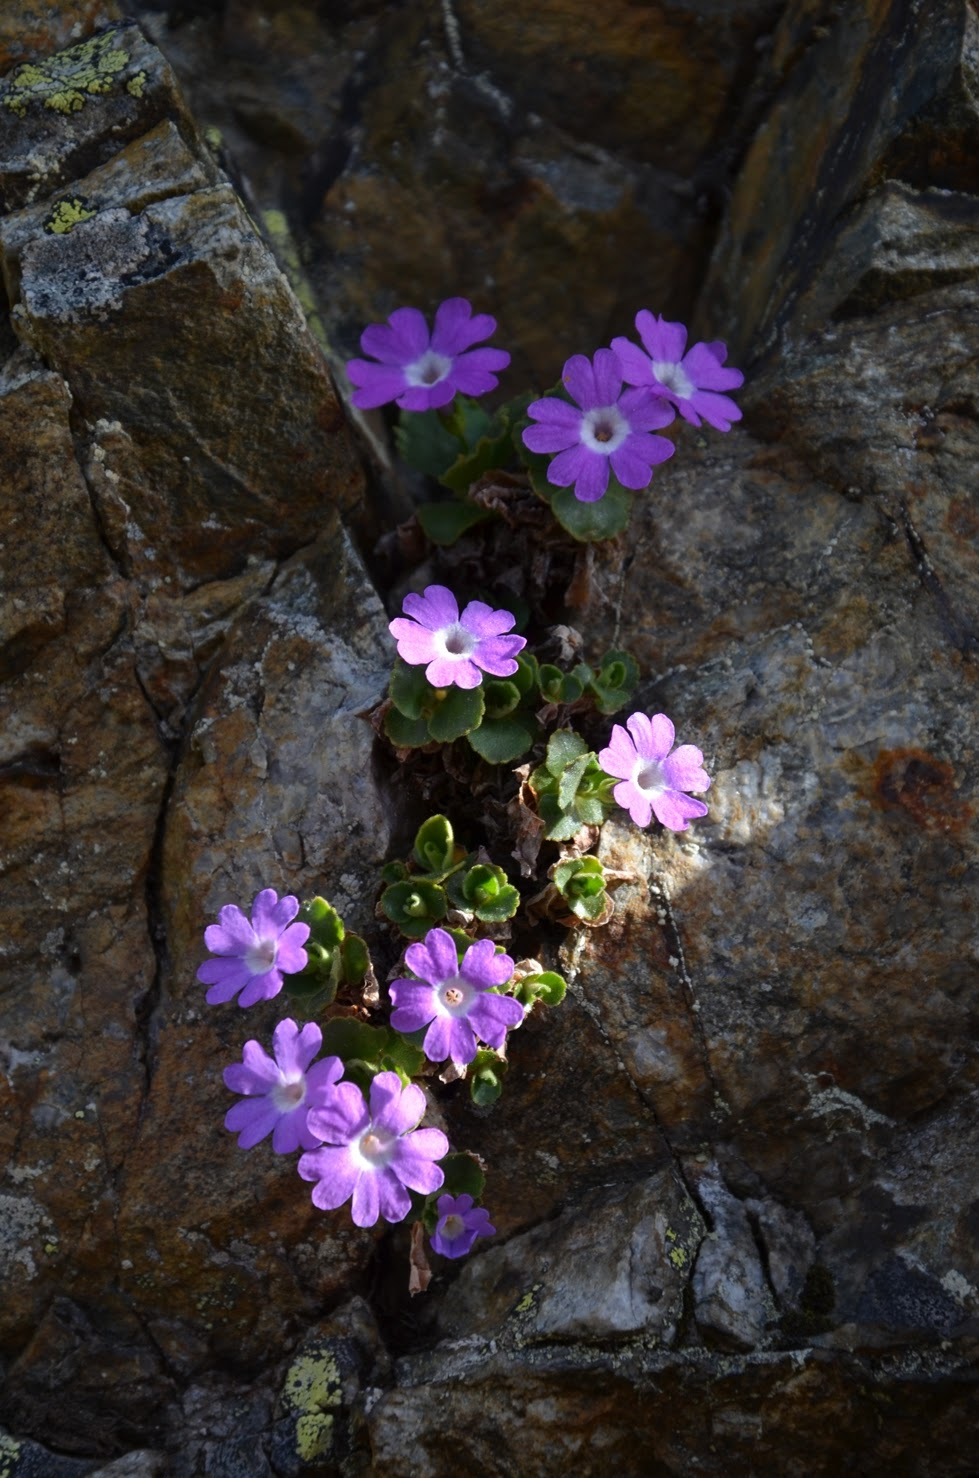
pixel 691 381
pixel 459 1224
pixel 253 957
pixel 373 1153
pixel 455 1001
pixel 281 1090
pixel 611 429
pixel 456 648
pixel 654 781
pixel 422 372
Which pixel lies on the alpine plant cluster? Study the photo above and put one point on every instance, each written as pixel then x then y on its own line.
pixel 347 1095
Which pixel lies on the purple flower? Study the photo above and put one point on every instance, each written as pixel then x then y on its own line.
pixel 691 381
pixel 459 1224
pixel 281 1090
pixel 455 647
pixel 375 1154
pixel 423 372
pixel 610 427
pixel 456 999
pixel 653 780
pixel 256 955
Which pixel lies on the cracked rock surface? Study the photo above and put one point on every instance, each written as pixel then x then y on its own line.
pixel 734 1176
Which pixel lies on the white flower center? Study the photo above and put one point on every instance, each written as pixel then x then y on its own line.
pixel 375 1148
pixel 604 429
pixel 429 370
pixel 289 1094
pixel 648 777
pixel 261 957
pixel 455 995
pixel 453 1226
pixel 456 641
pixel 674 377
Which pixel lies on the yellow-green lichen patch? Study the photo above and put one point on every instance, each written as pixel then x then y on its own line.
pixel 66 215
pixel 529 1300
pixel 677 1253
pixel 63 83
pixel 9 1453
pixel 136 85
pixel 312 1389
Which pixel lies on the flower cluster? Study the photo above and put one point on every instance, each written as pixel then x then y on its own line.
pixel 598 430
pixel 345 1094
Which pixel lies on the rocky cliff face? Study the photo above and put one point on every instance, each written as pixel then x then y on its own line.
pixel 735 1176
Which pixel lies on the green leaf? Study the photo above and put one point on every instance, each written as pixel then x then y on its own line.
pixel 486 1077
pixel 591 522
pixel 570 779
pixel 434 848
pixel 409 689
pixel 502 740
pixel 463 1176
pixel 405 733
pixel 484 891
pixel 457 713
pixel 355 958
pixel 489 442
pixel 563 747
pixel 373 1046
pixel 444 523
pixel 424 442
pixel 325 925
pixel 415 905
pixel 312 992
pixel 501 698
pixel 547 987
pixel 527 675
pixel 612 686
pixel 559 687
pixel 393 872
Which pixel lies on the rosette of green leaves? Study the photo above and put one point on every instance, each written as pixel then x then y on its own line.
pixel 572 789
pixel 581 883
pixel 483 891
pixel 497 718
pixel 612 686
pixel 457 445
pixel 333 957
pixel 415 897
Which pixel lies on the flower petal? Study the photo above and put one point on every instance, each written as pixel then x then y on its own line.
pixel 290 956
pixel 271 914
pixel 376 383
pixel 446 672
pixel 415 1005
pixel 492 1016
pixel 416 644
pixel 294 1049
pixel 483 967
pixel 475 373
pixel 496 654
pixel 435 959
pixel 664 341
pixel 620 755
pixel 578 378
pixel 631 799
pixel 482 620
pixel 254 1118
pixel 636 367
pixel 653 736
pixel 365 1207
pixel 457 328
pixel 683 769
pixel 675 810
pixel 232 935
pixel 335 1173
pixel 608 377
pixel 403 339
pixel 394 1106
pixel 343 1117
pixel 706 372
pixel 435 608
pixel 414 1159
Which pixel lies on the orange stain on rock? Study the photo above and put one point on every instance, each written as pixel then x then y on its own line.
pixel 924 788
